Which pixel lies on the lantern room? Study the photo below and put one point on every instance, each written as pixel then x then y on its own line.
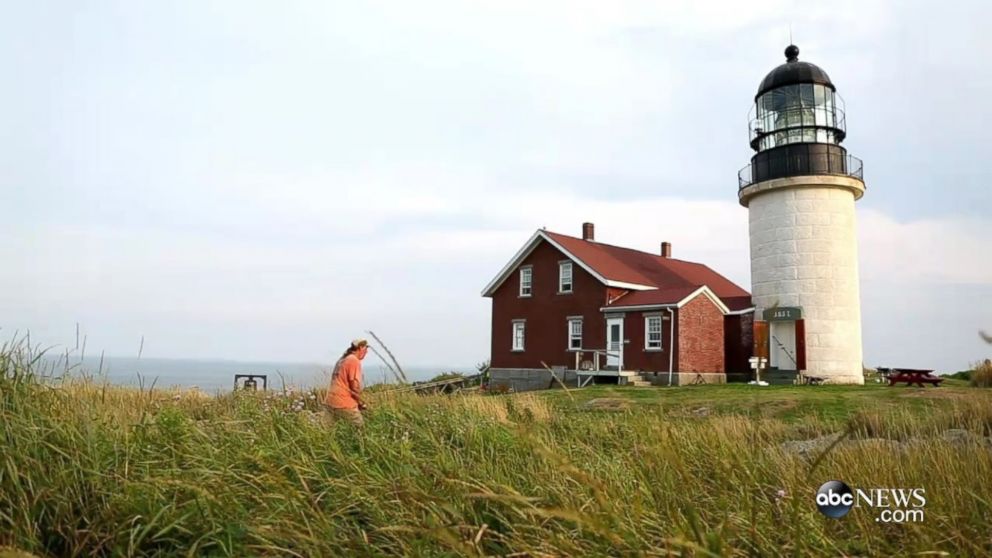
pixel 797 125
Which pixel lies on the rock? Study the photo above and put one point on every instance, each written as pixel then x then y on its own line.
pixel 808 449
pixel 961 437
pixel 606 404
pixel 875 443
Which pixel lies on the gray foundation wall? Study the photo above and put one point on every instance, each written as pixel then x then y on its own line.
pixel 530 379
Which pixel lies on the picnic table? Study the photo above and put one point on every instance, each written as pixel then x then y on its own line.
pixel 910 376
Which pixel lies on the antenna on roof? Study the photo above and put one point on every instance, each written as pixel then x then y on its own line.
pixel 790 35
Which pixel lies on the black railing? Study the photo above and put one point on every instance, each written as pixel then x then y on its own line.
pixel 792 165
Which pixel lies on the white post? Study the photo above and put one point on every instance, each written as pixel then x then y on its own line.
pixel 757 363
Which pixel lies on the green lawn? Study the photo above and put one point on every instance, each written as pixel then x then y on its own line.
pixel 829 403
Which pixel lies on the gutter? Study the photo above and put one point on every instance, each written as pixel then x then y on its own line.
pixel 671 344
pixel 741 312
pixel 635 308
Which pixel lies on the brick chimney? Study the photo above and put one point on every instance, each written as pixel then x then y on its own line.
pixel 666 249
pixel 588 232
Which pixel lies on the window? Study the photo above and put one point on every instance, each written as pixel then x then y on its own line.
pixel 526 278
pixel 819 102
pixel 565 277
pixel 518 335
pixel 574 333
pixel 652 333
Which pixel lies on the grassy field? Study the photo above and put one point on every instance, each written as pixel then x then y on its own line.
pixel 824 404
pixel 702 471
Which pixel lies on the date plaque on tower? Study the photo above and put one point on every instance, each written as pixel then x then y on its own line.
pixel 783 314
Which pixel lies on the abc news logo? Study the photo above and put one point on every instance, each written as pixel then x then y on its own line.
pixel 835 499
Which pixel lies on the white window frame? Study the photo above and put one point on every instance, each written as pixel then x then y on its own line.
pixel 561 276
pixel 647 332
pixel 571 336
pixel 530 280
pixel 522 325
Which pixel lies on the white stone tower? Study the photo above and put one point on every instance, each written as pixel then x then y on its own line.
pixel 800 190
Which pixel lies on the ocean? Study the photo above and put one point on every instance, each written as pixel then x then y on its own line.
pixel 213 375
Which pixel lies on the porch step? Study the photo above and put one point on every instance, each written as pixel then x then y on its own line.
pixel 639 380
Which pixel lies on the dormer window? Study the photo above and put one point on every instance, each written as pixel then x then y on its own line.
pixel 526 279
pixel 564 277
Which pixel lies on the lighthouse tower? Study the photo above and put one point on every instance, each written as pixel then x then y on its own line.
pixel 800 190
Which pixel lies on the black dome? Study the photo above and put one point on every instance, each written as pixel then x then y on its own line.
pixel 793 71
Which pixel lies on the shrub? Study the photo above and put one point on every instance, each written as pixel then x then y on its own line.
pixel 981 375
pixel 500 389
pixel 960 375
pixel 446 376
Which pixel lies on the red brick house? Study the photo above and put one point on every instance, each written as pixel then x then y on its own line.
pixel 593 311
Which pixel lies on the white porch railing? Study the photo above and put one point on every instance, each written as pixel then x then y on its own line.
pixel 591 369
pixel 580 364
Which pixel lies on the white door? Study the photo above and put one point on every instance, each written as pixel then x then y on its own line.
pixel 783 345
pixel 614 342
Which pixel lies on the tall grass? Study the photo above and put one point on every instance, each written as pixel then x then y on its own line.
pixel 90 470
pixel 981 374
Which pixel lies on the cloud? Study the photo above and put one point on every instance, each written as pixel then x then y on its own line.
pixel 255 183
pixel 939 251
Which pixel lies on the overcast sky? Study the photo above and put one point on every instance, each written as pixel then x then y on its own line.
pixel 265 181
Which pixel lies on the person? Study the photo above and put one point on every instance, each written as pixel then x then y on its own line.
pixel 344 396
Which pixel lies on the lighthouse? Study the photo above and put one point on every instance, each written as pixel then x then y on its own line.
pixel 800 190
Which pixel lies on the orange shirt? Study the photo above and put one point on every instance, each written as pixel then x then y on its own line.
pixel 347 378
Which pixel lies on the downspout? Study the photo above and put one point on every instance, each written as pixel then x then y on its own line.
pixel 671 343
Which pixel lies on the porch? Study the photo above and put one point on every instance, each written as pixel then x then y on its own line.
pixel 604 363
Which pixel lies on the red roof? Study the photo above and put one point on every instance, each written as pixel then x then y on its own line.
pixel 673 279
